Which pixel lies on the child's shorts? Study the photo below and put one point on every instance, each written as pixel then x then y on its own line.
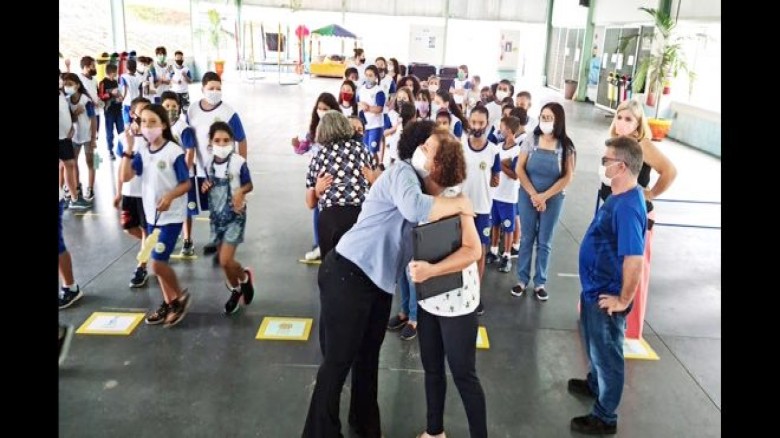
pixel 169 234
pixel 231 232
pixel 482 221
pixel 132 213
pixel 194 194
pixel 503 215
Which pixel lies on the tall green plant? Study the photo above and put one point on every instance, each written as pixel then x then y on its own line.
pixel 666 60
pixel 215 29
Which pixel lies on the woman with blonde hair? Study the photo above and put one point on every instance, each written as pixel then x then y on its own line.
pixel 630 121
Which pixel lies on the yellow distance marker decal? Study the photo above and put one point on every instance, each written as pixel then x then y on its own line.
pixel 110 323
pixel 310 262
pixel 482 338
pixel 284 329
pixel 638 349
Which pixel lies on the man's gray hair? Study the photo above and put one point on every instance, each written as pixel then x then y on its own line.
pixel 628 151
pixel 333 127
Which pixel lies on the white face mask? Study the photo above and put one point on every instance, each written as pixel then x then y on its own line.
pixel 221 151
pixel 321 113
pixel 624 127
pixel 603 175
pixel 501 95
pixel 546 127
pixel 418 161
pixel 70 90
pixel 434 109
pixel 214 97
pixel 433 88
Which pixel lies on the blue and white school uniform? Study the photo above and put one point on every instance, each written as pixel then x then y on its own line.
pixel 227 177
pixel 461 85
pixel 131 83
pixel 201 120
pixel 506 195
pixel 480 167
pixel 184 135
pixel 158 72
pixel 456 126
pixel 160 172
pixel 82 122
pixel 374 123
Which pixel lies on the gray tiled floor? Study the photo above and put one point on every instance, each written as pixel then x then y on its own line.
pixel 209 376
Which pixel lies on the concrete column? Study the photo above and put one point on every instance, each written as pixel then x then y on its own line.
pixel 118 35
pixel 585 55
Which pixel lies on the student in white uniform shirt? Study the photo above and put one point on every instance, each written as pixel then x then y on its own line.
pixel 164 185
pixel 161 73
pixel 500 91
pixel 201 116
pixel 83 108
pixel 90 82
pixel 385 80
pixel 348 99
pixel 396 126
pixel 181 79
pixel 371 104
pixel 359 63
pixel 505 196
pixel 447 323
pixel 184 135
pixel 458 123
pixel 68 178
pixel 461 86
pixel 129 194
pixel 483 166
pixel 523 100
pixel 130 87
pixel 521 115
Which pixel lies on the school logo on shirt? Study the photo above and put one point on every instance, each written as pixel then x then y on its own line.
pixel 159 248
pixel 482 165
pixel 161 165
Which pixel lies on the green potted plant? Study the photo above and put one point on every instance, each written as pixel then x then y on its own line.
pixel 214 35
pixel 666 60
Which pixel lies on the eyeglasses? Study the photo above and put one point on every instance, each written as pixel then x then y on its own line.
pixel 605 160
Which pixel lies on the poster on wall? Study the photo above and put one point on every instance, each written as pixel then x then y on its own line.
pixel 426 44
pixel 509 56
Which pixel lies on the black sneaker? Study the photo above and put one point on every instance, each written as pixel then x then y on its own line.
pixel 409 332
pixel 506 264
pixel 513 253
pixel 231 306
pixel 179 308
pixel 517 290
pixel 592 425
pixel 158 316
pixel 112 155
pixel 68 297
pixel 491 258
pixel 210 248
pixel 580 387
pixel 188 248
pixel 248 288
pixel 480 309
pixel 90 195
pixel 65 336
pixel 140 277
pixel 541 294
pixel 396 323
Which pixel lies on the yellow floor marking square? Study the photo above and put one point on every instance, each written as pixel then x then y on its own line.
pixel 110 323
pixel 638 349
pixel 482 338
pixel 284 328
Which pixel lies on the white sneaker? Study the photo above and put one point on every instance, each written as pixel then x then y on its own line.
pixel 313 254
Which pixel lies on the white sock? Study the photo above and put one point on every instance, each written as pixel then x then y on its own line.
pixel 494 250
pixel 245 279
pixel 506 254
pixel 516 246
pixel 74 287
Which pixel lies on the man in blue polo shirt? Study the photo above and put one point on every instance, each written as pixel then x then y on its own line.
pixel 610 269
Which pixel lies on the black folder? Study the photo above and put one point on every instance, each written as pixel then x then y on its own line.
pixel 433 242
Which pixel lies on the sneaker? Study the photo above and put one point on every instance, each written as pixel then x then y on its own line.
pixel 396 323
pixel 231 306
pixel 541 294
pixel 179 308
pixel 65 336
pixel 90 194
pixel 480 309
pixel 313 254
pixel 188 248
pixel 409 332
pixel 68 297
pixel 491 258
pixel 158 316
pixel 506 264
pixel 248 288
pixel 140 277
pixel 513 253
pixel 580 387
pixel 210 248
pixel 112 155
pixel 80 204
pixel 592 425
pixel 518 290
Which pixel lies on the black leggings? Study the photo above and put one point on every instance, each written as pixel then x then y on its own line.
pixel 333 223
pixel 455 338
pixel 353 316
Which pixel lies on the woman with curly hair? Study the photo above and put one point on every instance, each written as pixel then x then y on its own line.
pixel 447 323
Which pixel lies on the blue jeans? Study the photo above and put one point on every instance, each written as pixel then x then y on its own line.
pixel 536 227
pixel 408 296
pixel 111 121
pixel 602 337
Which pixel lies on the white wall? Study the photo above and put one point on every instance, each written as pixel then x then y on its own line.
pixel 697 9
pixel 569 13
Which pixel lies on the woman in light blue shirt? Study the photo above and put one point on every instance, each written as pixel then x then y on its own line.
pixel 357 281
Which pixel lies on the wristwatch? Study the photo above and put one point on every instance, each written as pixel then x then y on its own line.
pixel 127 155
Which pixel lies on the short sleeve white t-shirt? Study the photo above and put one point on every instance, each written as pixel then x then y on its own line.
pixel 479 169
pixel 507 190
